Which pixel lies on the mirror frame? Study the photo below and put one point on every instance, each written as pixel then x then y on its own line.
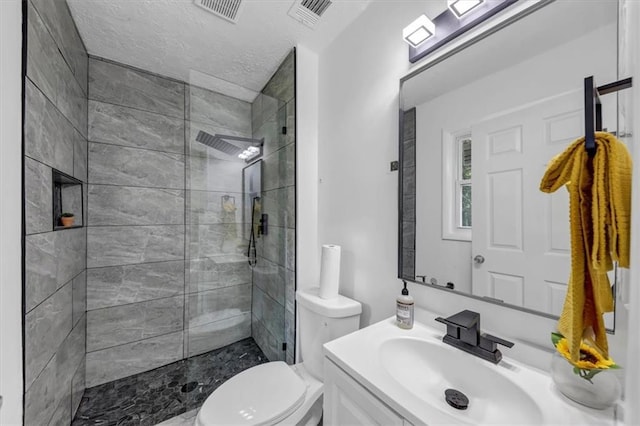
pixel 475 37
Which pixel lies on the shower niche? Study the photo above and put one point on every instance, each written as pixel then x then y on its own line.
pixel 68 196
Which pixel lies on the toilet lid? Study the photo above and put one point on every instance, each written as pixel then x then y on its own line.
pixel 261 395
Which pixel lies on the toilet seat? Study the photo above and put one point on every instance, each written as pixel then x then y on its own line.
pixel 262 395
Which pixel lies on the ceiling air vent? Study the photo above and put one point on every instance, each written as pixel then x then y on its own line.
pixel 226 9
pixel 309 11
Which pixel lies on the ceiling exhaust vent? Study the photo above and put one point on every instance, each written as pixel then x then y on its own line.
pixel 309 11
pixel 225 9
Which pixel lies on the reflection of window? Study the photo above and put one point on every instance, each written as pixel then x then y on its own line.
pixel 463 184
pixel 456 191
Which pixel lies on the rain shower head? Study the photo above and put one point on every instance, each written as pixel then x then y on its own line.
pixel 227 143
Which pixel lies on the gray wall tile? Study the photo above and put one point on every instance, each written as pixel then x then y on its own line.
pixel 116 165
pixel 219 304
pixel 131 127
pixel 46 327
pixel 209 274
pixel 125 205
pixel 52 259
pixel 78 386
pixel 207 208
pixel 219 110
pixel 290 291
pixel 72 102
pixel 119 285
pixel 119 325
pixel 273 246
pixel 278 169
pixel 48 134
pixel 70 355
pixel 80 156
pixel 212 174
pixel 38 197
pixel 79 295
pixel 125 245
pixel 281 85
pixel 271 346
pixel 44 62
pixel 217 334
pixel 70 246
pixel 271 278
pixel 274 275
pixel 40 268
pixel 55 135
pixel 214 240
pixel 62 415
pixel 43 397
pixel 121 85
pixel 269 312
pixel 270 132
pixel 124 360
pixel 56 16
pixel 280 205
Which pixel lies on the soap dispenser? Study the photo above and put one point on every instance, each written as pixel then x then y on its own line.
pixel 404 309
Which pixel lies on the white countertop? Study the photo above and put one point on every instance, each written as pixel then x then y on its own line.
pixel 358 355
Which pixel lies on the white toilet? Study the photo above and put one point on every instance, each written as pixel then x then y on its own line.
pixel 276 393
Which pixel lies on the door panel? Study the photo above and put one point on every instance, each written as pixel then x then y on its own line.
pixel 522 233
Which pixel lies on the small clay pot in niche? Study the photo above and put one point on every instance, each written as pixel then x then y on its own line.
pixel 67 219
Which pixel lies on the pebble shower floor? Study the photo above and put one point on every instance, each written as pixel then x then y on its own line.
pixel 154 396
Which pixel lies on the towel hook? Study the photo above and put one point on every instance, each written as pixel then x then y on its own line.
pixel 593 108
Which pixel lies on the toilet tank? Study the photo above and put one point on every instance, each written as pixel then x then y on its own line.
pixel 320 321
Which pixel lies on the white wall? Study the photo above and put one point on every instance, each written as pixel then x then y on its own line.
pixel 358 136
pixel 10 211
pixel 307 263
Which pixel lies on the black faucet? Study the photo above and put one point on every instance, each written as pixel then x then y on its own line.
pixel 463 332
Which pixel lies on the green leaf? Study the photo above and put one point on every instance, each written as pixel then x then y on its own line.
pixel 555 338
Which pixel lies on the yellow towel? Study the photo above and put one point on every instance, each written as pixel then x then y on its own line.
pixel 600 211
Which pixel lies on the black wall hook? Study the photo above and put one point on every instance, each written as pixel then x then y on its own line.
pixel 593 108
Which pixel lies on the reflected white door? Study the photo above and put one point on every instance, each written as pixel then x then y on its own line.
pixel 521 233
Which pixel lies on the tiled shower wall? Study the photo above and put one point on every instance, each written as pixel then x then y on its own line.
pixel 135 238
pixel 156 207
pixel 273 118
pixel 55 264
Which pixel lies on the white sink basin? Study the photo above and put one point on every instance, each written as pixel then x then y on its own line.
pixel 409 370
pixel 436 367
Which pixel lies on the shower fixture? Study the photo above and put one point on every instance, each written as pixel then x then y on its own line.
pixel 227 144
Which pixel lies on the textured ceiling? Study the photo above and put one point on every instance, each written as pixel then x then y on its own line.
pixel 176 38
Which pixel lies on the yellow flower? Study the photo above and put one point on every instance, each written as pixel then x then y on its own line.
pixel 590 358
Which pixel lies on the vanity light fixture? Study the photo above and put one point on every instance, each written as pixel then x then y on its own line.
pixel 419 31
pixel 461 16
pixel 462 7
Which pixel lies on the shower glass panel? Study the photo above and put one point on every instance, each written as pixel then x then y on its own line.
pixel 240 231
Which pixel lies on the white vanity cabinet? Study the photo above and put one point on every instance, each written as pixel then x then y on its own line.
pixel 347 402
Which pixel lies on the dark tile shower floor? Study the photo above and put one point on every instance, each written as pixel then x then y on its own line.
pixel 154 396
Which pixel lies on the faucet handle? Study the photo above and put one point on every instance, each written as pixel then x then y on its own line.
pixel 490 343
pixel 451 323
pixel 465 320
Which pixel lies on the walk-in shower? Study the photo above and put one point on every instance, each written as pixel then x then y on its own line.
pixel 148 303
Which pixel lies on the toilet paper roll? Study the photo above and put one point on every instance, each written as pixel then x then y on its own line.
pixel 329 271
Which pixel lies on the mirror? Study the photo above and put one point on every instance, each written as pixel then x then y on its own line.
pixel 477 131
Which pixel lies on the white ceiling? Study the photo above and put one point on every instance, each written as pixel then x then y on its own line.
pixel 177 39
